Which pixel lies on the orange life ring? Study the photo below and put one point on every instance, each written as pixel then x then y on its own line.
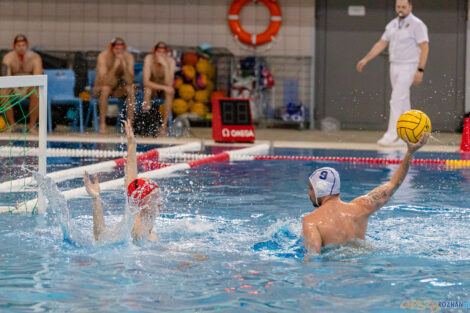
pixel 257 39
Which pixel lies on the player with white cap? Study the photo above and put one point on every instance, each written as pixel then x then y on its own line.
pixel 335 221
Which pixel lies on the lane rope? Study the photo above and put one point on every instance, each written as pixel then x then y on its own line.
pixel 28 206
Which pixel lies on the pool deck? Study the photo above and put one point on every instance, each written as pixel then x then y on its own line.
pixel 285 138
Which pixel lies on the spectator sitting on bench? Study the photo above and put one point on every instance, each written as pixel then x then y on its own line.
pixel 22 61
pixel 115 78
pixel 158 75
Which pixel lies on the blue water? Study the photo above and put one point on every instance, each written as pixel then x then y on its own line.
pixel 229 239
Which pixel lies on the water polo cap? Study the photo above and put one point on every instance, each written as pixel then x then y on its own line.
pixel 325 181
pixel 117 41
pixel 139 188
pixel 20 38
pixel 161 45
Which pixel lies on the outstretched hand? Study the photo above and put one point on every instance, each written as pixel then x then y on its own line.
pixel 129 130
pixel 413 147
pixel 93 188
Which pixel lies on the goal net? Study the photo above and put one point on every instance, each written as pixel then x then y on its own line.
pixel 23 138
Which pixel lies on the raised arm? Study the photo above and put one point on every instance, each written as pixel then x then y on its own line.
pixel 93 189
pixel 375 51
pixel 131 167
pixel 378 197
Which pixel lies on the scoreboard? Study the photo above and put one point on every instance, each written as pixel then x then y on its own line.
pixel 231 120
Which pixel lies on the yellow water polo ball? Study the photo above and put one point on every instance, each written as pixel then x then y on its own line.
pixel 186 91
pixel 178 82
pixel 412 125
pixel 190 104
pixel 202 66
pixel 188 72
pixel 199 108
pixel 3 124
pixel 179 106
pixel 202 96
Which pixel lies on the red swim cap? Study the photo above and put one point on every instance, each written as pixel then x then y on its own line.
pixel 138 189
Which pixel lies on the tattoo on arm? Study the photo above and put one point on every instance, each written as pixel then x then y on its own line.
pixel 377 195
pixel 380 194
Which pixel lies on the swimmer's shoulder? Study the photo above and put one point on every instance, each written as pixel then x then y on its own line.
pixel 313 218
pixel 362 205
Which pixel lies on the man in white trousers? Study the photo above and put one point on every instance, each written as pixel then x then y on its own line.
pixel 409 47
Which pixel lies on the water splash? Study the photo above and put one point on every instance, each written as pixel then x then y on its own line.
pixel 59 212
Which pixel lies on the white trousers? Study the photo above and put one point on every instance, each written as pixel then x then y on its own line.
pixel 401 76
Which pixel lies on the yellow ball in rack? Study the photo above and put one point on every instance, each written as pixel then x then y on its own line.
pixel 3 124
pixel 180 106
pixel 186 91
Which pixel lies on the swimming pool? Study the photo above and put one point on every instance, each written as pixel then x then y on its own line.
pixel 229 239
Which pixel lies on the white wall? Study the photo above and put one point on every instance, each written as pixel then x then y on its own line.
pixel 90 25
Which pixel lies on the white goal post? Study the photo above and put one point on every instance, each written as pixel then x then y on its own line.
pixel 39 81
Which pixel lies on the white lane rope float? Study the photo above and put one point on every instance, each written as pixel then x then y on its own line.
pixel 106 166
pixel 29 206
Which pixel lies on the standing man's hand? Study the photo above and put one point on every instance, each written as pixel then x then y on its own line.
pixel 418 78
pixel 360 65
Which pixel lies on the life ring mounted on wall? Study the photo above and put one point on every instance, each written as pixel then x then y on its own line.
pixel 255 39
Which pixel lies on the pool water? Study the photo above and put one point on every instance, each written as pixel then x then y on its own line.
pixel 230 240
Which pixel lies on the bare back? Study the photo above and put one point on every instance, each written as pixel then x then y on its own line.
pixel 338 222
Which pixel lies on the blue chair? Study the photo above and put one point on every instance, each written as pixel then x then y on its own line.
pixel 120 102
pixel 61 84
